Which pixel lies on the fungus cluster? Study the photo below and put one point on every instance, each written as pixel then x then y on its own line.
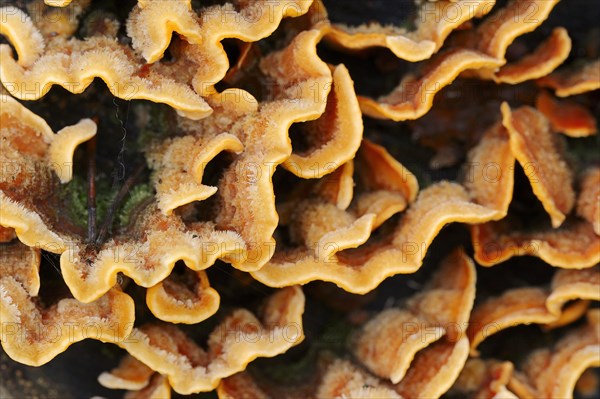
pixel 254 155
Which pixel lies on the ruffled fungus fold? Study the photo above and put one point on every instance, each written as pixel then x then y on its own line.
pixel 73 64
pixel 580 78
pixel 553 372
pixel 566 116
pixel 484 379
pixel 434 22
pixel 542 61
pixel 479 51
pixel 388 343
pixel 240 338
pixel 528 305
pixel 183 299
pixel 33 333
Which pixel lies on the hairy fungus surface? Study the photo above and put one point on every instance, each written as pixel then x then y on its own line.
pixel 34 332
pixel 259 145
pixel 240 338
pixel 532 143
pixel 414 96
pixel 484 379
pixel 480 51
pixel 333 138
pixel 35 160
pixel 545 59
pixel 553 372
pixel 574 245
pixel 73 64
pixel 434 22
pixel 527 305
pixel 203 55
pixel 588 203
pixel 388 343
pixel 323 227
pixel 575 79
pixel 433 372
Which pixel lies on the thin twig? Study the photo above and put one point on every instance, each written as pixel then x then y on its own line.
pixel 125 188
pixel 91 196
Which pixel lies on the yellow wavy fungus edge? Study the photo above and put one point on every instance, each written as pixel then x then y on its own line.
pixel 57 3
pixel 29 226
pixel 391 187
pixel 528 305
pixel 180 168
pixel 214 24
pixel 482 54
pixel 341 124
pixel 26 39
pixel 151 260
pixel 130 374
pixel 567 117
pixel 554 372
pixel 151 24
pixel 238 340
pixel 574 80
pixel 431 374
pixel 412 98
pixel 480 199
pixel 542 61
pixel 113 258
pixel 388 343
pixel 442 203
pixel 168 307
pixel 572 246
pixel 497 32
pixel 34 336
pixel 529 132
pixel 588 203
pixel 74 64
pixel 62 144
pixel 434 24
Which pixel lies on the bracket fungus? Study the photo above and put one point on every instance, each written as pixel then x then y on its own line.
pixel 33 332
pixel 527 305
pixel 222 192
pixel 240 338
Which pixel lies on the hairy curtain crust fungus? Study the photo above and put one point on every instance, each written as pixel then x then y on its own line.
pixel 240 338
pixel 553 372
pixel 545 59
pixel 567 117
pixel 73 64
pixel 143 253
pixel 35 160
pixel 321 227
pixel 434 22
pixel 433 371
pixel 252 142
pixel 203 54
pixel 484 379
pixel 481 51
pixel 188 298
pixel 588 203
pixel 527 305
pixel 34 333
pixel 388 343
pixel 576 79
